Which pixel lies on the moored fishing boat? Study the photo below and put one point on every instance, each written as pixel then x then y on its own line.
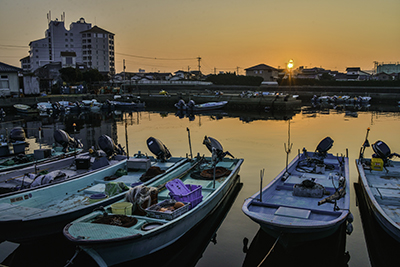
pixel 25 109
pixel 308 200
pixel 184 205
pixel 92 105
pixel 193 107
pixel 379 177
pixel 46 210
pixel 13 143
pixel 70 147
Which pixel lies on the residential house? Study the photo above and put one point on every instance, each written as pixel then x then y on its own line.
pixel 312 73
pixel 266 72
pixel 9 80
pixel 356 74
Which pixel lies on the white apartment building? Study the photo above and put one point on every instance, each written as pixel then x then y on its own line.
pixel 81 44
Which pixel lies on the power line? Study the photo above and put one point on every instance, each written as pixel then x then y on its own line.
pixel 155 58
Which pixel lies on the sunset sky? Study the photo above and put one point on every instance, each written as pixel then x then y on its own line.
pixel 169 35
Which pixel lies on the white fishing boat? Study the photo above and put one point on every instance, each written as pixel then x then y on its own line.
pixel 184 205
pixel 191 106
pixel 92 105
pixel 25 109
pixel 379 177
pixel 308 200
pixel 46 210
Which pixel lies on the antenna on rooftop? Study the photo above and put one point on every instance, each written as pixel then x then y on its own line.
pixel 49 17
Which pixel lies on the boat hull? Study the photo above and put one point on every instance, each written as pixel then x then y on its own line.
pixel 296 218
pixel 385 208
pixel 44 211
pixel 108 252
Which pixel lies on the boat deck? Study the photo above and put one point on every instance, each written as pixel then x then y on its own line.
pixel 280 206
pixel 93 231
pixel 47 202
pixel 385 187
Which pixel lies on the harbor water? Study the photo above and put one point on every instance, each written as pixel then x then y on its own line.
pixel 227 237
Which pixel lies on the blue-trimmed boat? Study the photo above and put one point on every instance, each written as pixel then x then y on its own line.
pixel 308 200
pixel 379 177
pixel 208 180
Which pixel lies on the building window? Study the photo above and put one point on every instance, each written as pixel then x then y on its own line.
pixel 66 45
pixel 68 60
pixel 84 35
pixel 88 35
pixel 71 34
pixel 4 83
pixel 66 34
pixel 66 40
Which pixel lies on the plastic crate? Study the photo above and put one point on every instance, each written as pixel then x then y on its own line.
pixel 177 187
pixel 186 193
pixel 152 210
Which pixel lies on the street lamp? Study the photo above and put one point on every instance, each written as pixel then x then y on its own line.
pixel 290 66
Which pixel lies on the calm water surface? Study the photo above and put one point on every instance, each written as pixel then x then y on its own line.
pixel 259 138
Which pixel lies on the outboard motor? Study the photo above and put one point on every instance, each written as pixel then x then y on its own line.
pixel 17 134
pixel 190 105
pixel 108 146
pixel 382 151
pixel 324 146
pixel 61 137
pixel 213 144
pixel 158 148
pixel 181 104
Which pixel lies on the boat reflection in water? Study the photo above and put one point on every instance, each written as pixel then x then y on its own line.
pixel 57 251
pixel 382 248
pixel 327 252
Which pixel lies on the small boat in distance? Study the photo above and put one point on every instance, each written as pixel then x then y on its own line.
pixel 191 106
pixel 379 177
pixel 13 143
pixel 190 198
pixel 307 201
pixel 25 109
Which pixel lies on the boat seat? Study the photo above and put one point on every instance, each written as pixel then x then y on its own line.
pixel 387 194
pixel 227 165
pixel 293 212
pixel 277 206
pixel 96 189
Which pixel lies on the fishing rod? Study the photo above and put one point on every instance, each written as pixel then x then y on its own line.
pixel 364 145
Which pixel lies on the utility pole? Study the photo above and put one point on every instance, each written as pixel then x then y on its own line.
pixel 237 71
pixel 124 77
pixel 199 59
pixel 215 71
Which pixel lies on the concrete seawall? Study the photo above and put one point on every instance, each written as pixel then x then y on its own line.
pixel 149 95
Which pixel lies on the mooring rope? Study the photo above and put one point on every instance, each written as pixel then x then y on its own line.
pixel 269 252
pixel 69 262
